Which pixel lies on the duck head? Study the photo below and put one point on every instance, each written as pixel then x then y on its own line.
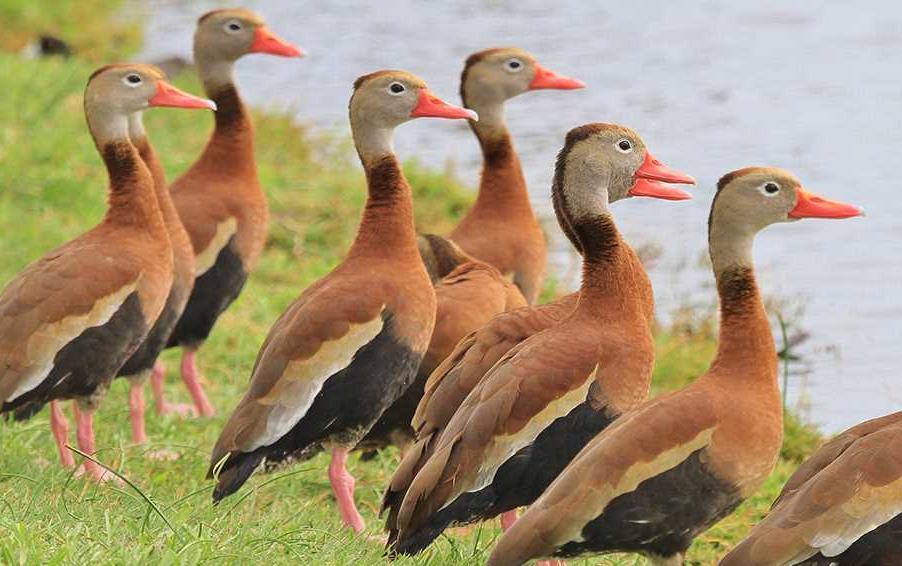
pixel 232 33
pixel 386 99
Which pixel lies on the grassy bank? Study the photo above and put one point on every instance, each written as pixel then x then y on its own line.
pixel 52 187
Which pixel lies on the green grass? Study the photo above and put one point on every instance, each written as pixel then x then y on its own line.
pixel 88 26
pixel 52 188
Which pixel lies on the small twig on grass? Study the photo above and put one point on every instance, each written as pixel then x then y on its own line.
pixel 143 495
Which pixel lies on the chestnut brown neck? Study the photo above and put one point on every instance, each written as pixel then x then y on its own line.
pixel 132 198
pixel 387 226
pixel 746 342
pixel 161 189
pixel 502 187
pixel 613 279
pixel 230 151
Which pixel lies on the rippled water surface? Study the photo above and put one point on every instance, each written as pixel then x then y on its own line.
pixel 711 86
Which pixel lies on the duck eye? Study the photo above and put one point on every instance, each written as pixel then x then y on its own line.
pixel 769 189
pixel 514 65
pixel 396 88
pixel 624 146
pixel 132 79
pixel 232 26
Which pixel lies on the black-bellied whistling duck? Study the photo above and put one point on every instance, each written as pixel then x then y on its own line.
pixel 143 362
pixel 842 506
pixel 352 342
pixel 501 228
pixel 468 294
pixel 544 399
pixel 70 320
pixel 665 472
pixel 219 199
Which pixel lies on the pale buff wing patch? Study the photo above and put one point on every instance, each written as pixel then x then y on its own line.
pixel 503 447
pixel 588 508
pixel 293 395
pixel 207 258
pixel 870 508
pixel 43 345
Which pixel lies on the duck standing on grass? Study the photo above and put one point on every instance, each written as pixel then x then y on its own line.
pixel 219 199
pixel 667 471
pixel 143 362
pixel 500 231
pixel 70 320
pixel 353 341
pixel 550 394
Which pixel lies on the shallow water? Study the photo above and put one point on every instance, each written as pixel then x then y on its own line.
pixel 711 86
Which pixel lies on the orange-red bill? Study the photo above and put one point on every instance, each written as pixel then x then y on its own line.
pixel 265 41
pixel 548 79
pixel 651 177
pixel 168 95
pixel 431 106
pixel 656 189
pixel 810 205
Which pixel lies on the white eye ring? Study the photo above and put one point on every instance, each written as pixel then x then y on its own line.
pixel 619 143
pixel 232 26
pixel 127 80
pixel 396 89
pixel 769 189
pixel 513 65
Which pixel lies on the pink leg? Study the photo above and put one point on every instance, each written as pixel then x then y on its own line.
pixel 84 423
pixel 192 381
pixel 157 379
pixel 343 488
pixel 508 518
pixel 60 427
pixel 136 410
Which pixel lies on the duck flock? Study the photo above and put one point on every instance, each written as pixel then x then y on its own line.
pixel 436 344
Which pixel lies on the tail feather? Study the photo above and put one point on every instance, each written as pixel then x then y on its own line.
pixel 466 509
pixel 238 468
pixel 25 412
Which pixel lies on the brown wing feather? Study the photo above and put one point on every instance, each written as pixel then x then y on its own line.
pixel 466 299
pixel 323 327
pixel 66 291
pixel 530 386
pixel 457 375
pixel 831 451
pixel 640 445
pixel 844 499
pixel 475 355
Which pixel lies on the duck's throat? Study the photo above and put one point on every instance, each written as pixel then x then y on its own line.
pixel 746 341
pixel 387 224
pixel 132 199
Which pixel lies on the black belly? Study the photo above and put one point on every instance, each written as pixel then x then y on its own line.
pixel 90 361
pixel 521 479
pixel 349 403
pixel 662 516
pixel 353 399
pixel 880 547
pixel 147 353
pixel 213 292
pixel 394 424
